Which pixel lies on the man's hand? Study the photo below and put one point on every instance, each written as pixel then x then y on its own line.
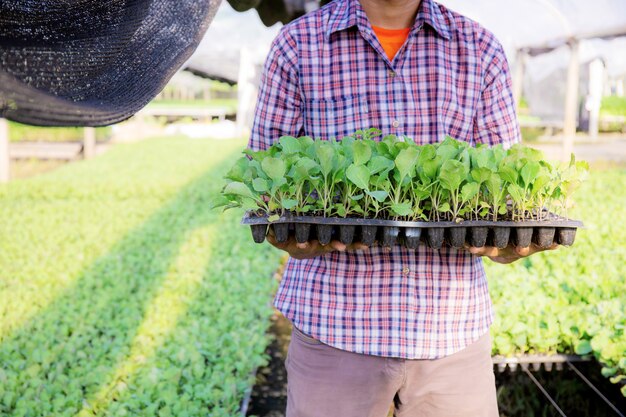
pixel 311 249
pixel 509 254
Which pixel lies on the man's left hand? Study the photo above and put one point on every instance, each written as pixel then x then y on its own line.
pixel 509 254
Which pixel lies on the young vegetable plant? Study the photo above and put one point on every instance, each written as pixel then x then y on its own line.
pixel 388 177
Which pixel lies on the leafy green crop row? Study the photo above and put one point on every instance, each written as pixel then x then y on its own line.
pixel 614 106
pixel 23 133
pixel 574 300
pixel 121 294
pixel 396 178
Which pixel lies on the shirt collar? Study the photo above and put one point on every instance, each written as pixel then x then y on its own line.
pixel 349 13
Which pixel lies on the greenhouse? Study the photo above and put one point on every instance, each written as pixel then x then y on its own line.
pixel 175 240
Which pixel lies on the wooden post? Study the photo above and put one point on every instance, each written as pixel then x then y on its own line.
pixel 247 90
pixel 594 100
pixel 518 77
pixel 571 100
pixel 89 143
pixel 4 150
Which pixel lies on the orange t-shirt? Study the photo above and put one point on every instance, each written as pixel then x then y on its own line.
pixel 391 39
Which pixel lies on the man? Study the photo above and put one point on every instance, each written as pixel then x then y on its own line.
pixel 375 325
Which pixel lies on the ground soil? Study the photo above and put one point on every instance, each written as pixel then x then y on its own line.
pixel 606 149
pixel 32 167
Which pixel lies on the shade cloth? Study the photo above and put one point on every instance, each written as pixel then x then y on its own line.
pixel 92 62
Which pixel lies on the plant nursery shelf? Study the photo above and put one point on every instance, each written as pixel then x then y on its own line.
pixel 410 234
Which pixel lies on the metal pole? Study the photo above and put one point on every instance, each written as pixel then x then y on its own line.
pixel 545 393
pixel 89 143
pixel 596 390
pixel 571 101
pixel 4 150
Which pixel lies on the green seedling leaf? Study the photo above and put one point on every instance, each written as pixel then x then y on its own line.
pixel 359 175
pixel 493 184
pixel 469 191
pixel 508 173
pixel 340 209
pixel 452 174
pixel 362 152
pixel 427 153
pixel 480 175
pixel 260 185
pixel 420 191
pixel 288 204
pixel 326 156
pixel 617 379
pixel 276 184
pixel 239 170
pixel 240 189
pixel 485 158
pixel 540 182
pixel 608 372
pixel 430 169
pixel 447 151
pixel 464 158
pixel 290 145
pixel 583 347
pixel 378 195
pixel 516 192
pixel 405 162
pixel 379 164
pixel 529 172
pixel 274 168
pixel 401 209
pixel 273 218
pixel 304 168
pixel 219 201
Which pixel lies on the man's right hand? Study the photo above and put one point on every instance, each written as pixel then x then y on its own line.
pixel 311 249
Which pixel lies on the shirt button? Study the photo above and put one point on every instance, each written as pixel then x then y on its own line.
pixel 395 123
pixel 392 74
pixel 406 270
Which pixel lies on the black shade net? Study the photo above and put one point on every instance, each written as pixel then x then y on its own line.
pixel 92 62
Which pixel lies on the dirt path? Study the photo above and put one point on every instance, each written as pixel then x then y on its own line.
pixel 609 148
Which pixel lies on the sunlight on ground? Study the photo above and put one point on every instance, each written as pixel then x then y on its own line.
pixel 162 315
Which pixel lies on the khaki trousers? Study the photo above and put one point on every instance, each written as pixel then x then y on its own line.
pixel 326 382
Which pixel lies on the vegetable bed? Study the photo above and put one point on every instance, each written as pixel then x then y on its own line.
pixel 120 296
pixel 572 300
pixel 458 193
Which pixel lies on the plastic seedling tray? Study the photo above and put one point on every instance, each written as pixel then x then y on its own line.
pixel 388 233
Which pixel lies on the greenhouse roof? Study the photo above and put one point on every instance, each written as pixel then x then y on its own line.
pixel 545 23
pixel 537 26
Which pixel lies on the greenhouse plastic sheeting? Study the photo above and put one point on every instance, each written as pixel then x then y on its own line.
pixel 537 22
pixel 517 24
pixel 527 23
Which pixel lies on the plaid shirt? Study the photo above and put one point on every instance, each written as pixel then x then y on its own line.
pixel 326 76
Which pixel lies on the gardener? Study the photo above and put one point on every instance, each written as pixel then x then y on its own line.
pixel 376 325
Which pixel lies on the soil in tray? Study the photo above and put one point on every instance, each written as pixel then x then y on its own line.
pixel 517 395
pixel 456 236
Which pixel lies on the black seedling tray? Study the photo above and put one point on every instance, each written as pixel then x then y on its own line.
pixel 388 233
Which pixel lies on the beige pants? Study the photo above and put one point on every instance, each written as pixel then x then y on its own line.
pixel 328 382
